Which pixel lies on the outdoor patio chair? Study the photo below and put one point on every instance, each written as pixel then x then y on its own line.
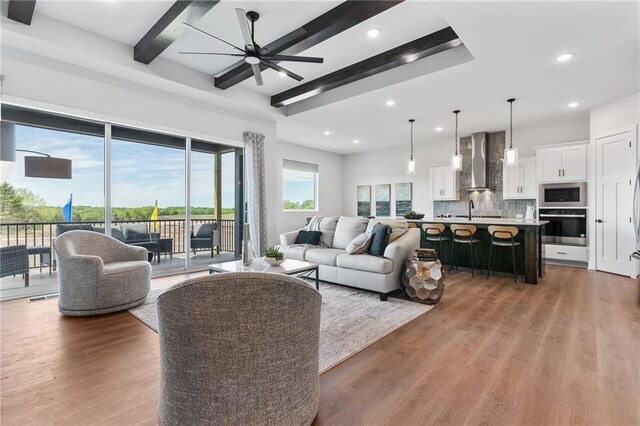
pixel 205 236
pixel 14 260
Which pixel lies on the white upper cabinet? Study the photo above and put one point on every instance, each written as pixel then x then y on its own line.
pixel 562 163
pixel 444 183
pixel 519 181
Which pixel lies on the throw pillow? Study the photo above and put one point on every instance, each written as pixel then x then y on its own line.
pixel 379 239
pixel 359 244
pixel 135 232
pixel 311 238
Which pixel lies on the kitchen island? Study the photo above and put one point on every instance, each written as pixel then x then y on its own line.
pixel 529 256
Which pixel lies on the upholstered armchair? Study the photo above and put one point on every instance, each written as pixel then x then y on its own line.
pixel 239 349
pixel 98 274
pixel 205 236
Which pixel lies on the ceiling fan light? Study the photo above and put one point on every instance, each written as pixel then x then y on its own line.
pixel 252 60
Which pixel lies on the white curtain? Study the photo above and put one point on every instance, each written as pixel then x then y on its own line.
pixel 255 187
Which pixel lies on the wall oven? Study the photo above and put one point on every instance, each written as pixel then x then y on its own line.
pixel 566 226
pixel 563 194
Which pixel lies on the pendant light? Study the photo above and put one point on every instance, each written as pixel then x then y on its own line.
pixel 456 159
pixel 411 164
pixel 511 153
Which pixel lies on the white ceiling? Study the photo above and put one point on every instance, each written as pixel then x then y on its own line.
pixel 514 45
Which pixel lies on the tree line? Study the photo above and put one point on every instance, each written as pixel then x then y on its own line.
pixel 22 205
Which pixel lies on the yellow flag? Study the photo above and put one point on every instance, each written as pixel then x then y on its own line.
pixel 154 217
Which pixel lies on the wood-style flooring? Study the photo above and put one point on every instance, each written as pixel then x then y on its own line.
pixel 492 352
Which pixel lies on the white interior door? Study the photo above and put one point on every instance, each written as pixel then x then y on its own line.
pixel 615 170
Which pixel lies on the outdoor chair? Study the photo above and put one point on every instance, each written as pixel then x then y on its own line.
pixel 14 260
pixel 205 236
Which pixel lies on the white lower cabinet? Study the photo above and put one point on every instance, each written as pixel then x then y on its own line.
pixel 567 253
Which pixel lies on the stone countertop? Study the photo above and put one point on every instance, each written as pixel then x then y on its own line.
pixel 481 221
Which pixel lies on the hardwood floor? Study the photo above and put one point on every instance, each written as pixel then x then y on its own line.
pixel 492 352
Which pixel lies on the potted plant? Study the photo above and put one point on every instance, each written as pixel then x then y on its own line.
pixel 273 256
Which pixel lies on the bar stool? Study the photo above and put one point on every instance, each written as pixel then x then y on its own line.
pixel 463 234
pixel 503 236
pixel 433 233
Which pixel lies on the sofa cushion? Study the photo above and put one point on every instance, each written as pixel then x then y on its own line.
pixel 347 229
pixel 380 235
pixel 294 252
pixel 398 227
pixel 359 244
pixel 323 256
pixel 311 238
pixel 136 232
pixel 62 228
pixel 365 262
pixel 328 229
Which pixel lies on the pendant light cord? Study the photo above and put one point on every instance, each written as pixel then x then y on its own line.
pixel 411 121
pixel 456 139
pixel 511 122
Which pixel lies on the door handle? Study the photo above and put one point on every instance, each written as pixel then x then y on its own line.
pixel 559 172
pixel 600 221
pixel 562 172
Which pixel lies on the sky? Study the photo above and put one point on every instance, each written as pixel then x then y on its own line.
pixel 298 186
pixel 141 173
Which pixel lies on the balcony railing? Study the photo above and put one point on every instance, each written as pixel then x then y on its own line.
pixel 34 234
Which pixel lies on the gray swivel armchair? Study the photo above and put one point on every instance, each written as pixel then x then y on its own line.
pixel 98 274
pixel 239 349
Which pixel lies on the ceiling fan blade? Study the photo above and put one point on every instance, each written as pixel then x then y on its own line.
pixel 278 68
pixel 191 27
pixel 290 58
pixel 210 53
pixel 256 73
pixel 244 27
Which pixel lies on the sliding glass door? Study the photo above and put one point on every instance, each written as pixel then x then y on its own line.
pixel 125 182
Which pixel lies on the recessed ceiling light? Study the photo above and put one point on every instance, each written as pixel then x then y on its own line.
pixel 282 74
pixel 564 57
pixel 573 104
pixel 356 141
pixel 374 32
pixel 390 102
pixel 439 129
pixel 327 133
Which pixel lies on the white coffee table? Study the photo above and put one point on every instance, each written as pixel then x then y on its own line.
pixel 297 268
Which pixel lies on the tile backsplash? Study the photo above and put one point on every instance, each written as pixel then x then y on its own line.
pixel 487 203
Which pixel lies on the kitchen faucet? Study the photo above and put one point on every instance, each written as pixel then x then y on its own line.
pixel 471 206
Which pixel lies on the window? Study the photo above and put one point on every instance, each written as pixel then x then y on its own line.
pixel 299 186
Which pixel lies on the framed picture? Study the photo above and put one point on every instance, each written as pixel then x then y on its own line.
pixel 364 200
pixel 383 200
pixel 403 198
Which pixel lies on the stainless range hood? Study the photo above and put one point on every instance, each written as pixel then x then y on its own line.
pixel 479 162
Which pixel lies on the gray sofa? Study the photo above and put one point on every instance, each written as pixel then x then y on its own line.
pixel 98 274
pixel 239 349
pixel 378 274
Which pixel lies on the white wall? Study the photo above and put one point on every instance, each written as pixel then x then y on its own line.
pixel 330 182
pixel 389 166
pixel 609 119
pixel 42 83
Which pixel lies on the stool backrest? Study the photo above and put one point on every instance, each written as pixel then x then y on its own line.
pixel 503 232
pixel 463 230
pixel 411 225
pixel 433 228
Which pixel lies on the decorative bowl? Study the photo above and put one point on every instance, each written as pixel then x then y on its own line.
pixel 414 216
pixel 272 261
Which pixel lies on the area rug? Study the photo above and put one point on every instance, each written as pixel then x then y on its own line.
pixel 351 320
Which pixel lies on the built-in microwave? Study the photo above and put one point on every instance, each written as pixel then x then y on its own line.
pixel 563 194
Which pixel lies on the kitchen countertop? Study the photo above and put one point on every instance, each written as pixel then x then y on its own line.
pixel 482 221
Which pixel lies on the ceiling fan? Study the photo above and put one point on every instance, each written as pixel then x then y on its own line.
pixel 252 53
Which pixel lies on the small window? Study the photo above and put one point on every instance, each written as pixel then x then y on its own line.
pixel 299 186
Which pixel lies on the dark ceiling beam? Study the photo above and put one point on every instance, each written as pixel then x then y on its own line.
pixel 169 28
pixel 21 10
pixel 428 45
pixel 327 25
